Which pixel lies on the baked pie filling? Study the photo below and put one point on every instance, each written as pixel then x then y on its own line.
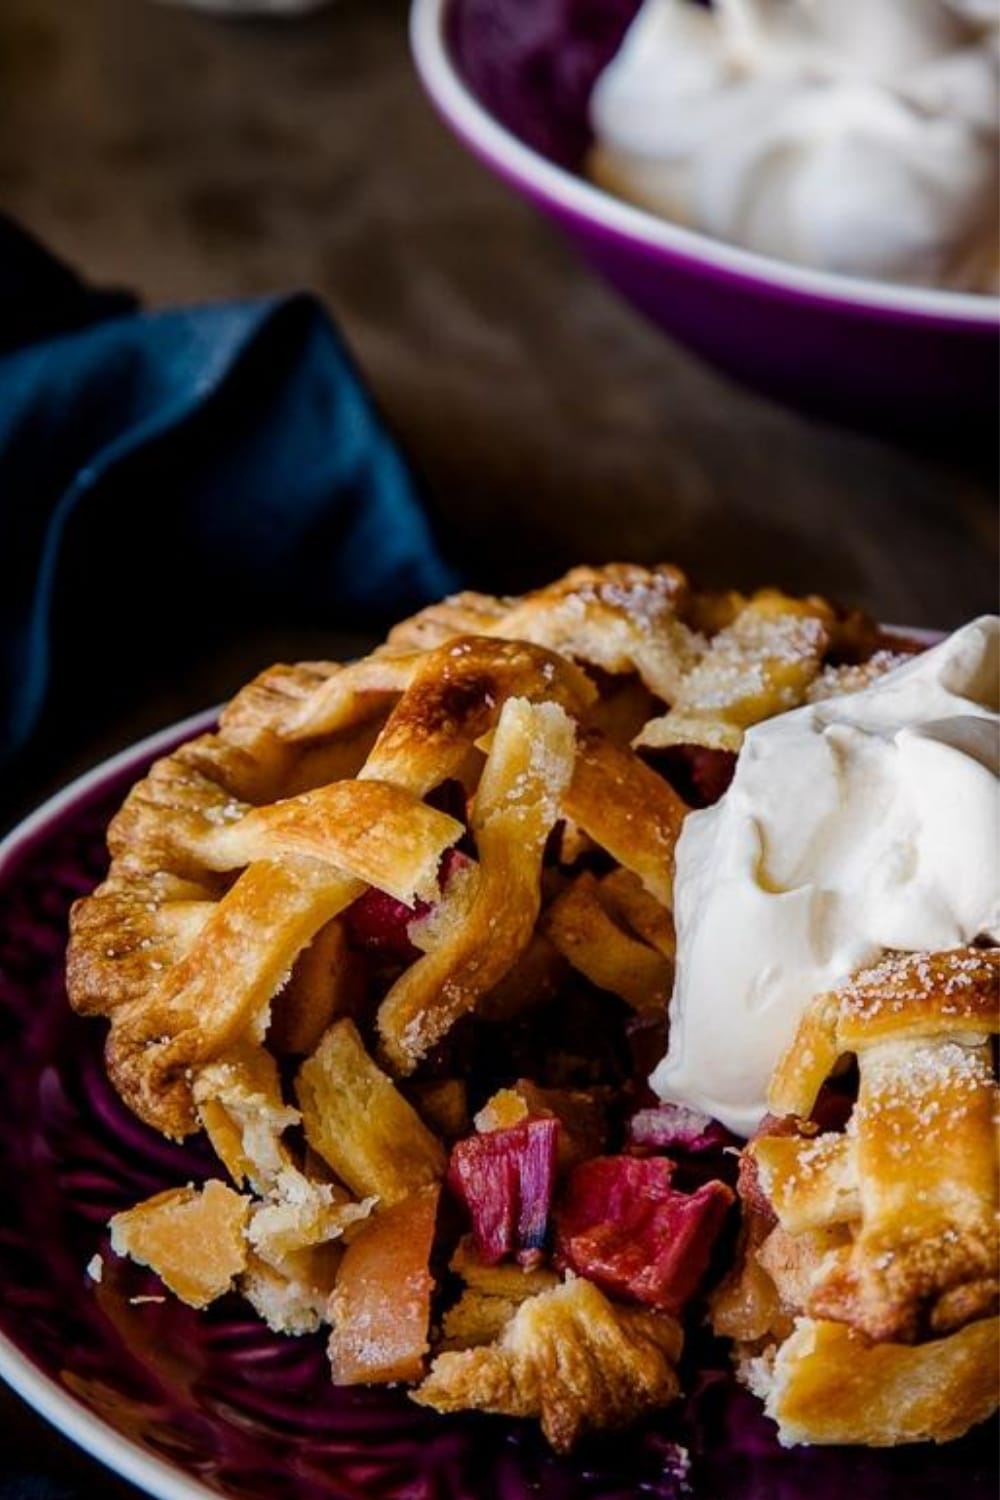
pixel 398 938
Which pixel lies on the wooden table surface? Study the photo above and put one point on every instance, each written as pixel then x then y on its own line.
pixel 191 159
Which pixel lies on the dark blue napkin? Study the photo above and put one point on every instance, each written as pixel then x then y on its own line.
pixel 168 478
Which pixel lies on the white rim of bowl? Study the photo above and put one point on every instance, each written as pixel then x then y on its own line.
pixel 574 195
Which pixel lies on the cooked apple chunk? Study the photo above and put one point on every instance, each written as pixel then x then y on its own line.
pixel 380 1308
pixel 568 1356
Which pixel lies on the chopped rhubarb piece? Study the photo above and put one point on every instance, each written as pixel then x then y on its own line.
pixel 380 923
pixel 505 1178
pixel 698 773
pixel 536 1174
pixel 623 1226
pixel 833 1107
pixel 380 1308
pixel 486 1181
pixel 675 1127
pixel 580 1114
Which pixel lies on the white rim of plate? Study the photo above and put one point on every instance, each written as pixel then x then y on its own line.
pixel 66 1413
pixel 573 195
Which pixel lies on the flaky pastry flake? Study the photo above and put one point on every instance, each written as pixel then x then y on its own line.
pixel 193 1238
pixel 760 664
pixel 568 1356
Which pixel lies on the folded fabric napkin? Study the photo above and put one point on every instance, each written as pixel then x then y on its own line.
pixel 167 479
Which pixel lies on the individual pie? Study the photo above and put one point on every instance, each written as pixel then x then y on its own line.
pixel 397 938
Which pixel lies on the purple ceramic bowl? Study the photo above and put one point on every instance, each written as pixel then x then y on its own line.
pixel 512 79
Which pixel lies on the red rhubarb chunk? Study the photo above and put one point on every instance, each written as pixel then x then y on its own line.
pixel 505 1178
pixel 623 1226
pixel 380 923
pixel 699 774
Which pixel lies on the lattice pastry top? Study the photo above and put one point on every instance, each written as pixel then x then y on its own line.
pixel 242 846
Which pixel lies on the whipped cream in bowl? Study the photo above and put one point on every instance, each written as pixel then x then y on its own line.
pixel 857 138
pixel 854 826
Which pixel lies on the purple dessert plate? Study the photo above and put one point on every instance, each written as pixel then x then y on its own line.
pixel 190 1404
pixel 512 79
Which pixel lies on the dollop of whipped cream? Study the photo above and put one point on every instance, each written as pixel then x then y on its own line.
pixel 856 136
pixel 852 826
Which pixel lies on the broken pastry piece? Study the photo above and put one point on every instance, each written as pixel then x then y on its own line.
pixel 864 1301
pixel 759 664
pixel 194 1239
pixel 570 1357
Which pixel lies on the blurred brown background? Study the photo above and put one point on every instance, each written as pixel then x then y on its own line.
pixel 192 159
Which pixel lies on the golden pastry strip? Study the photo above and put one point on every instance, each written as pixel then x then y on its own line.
pixel 628 810
pixel 917 1170
pixel 950 993
pixel 830 1384
pixel 926 1248
pixel 266 709
pixel 220 992
pixel 626 898
pixel 360 1124
pixel 810 1183
pixel 581 929
pixel 619 618
pixel 373 831
pixel 465 613
pixel 484 924
pixel 353 694
pixel 455 699
pixel 256 753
